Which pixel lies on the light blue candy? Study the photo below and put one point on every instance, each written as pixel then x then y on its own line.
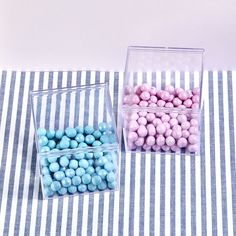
pixel 86 178
pixel 44 149
pixel 64 144
pixel 48 192
pixel 109 166
pixel 89 155
pixel 88 129
pixel 111 185
pixel 97 134
pixel 70 173
pixel 76 180
pixel 79 129
pixel 80 171
pixel 63 169
pixel 92 187
pixel 51 133
pixel 79 138
pixel 99 162
pixel 44 161
pixel 112 138
pixel 54 167
pixel 58 146
pixel 41 132
pixel 91 162
pixel 109 157
pixel 51 144
pixel 98 154
pixel 66 182
pixel 97 169
pixel 103 159
pixel 47 180
pixel 83 163
pixel 111 177
pixel 102 126
pixel 96 143
pixel 102 186
pixel 110 126
pixel 104 138
pixel 72 189
pixel 59 175
pixel 62 191
pixel 96 180
pixel 90 170
pixel 55 186
pixel 73 144
pixel 102 173
pixel 64 137
pixel 70 132
pixel 79 156
pixel 43 141
pixel 64 161
pixel 82 188
pixel 45 170
pixel 83 145
pixel 89 139
pixel 52 159
pixel 59 134
pixel 108 133
pixel 74 164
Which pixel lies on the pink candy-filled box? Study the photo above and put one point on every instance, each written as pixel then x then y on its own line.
pixel 162 100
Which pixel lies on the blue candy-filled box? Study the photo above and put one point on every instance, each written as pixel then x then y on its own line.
pixel 76 140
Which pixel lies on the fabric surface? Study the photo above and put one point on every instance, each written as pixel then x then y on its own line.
pixel 158 195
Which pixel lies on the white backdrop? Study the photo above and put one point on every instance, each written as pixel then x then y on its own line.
pixel 63 35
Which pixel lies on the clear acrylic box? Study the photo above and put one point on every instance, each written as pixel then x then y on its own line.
pixel 57 109
pixel 160 67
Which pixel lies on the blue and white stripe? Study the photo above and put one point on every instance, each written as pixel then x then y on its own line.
pixel 158 195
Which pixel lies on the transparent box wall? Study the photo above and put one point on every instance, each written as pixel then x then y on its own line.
pixel 71 107
pixel 159 67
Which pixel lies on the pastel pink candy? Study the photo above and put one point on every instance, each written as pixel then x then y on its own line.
pixel 161 129
pixel 153 91
pixel 178 90
pixel 169 105
pixel 160 140
pixel 133 125
pixel 165 118
pixel 189 92
pixel 168 132
pixel 164 95
pixel 131 146
pixel 185 125
pixel 135 99
pixel 137 90
pixel 142 120
pixel 192 148
pixel 153 99
pixel 182 142
pixel 170 89
pixel 156 147
pixel 188 103
pixel 128 90
pixel 142 131
pixel 170 141
pixel 151 129
pixel 194 122
pixel 150 141
pixel 146 147
pixel 143 104
pixel 167 125
pixel 165 148
pixel 173 114
pixel 177 127
pixel 181 118
pixel 193 139
pixel 156 121
pixel 132 136
pixel 171 97
pixel 127 100
pixel 152 105
pixel 139 142
pixel 177 102
pixel 185 133
pixel 182 106
pixel 195 106
pixel 145 87
pixel 193 130
pixel 150 117
pixel 159 114
pixel 183 95
pixel 161 103
pixel 176 134
pixel 134 116
pixel 142 113
pixel 175 148
pixel 196 91
pixel 173 122
pixel 145 95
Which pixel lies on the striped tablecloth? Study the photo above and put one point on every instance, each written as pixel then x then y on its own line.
pixel 159 195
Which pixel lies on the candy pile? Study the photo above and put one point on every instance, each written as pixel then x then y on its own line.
pixel 79 172
pixel 147 96
pixel 70 138
pixel 167 131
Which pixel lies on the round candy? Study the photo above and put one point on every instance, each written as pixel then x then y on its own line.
pixel 44 161
pixel 76 180
pixel 181 118
pixel 161 103
pixel 83 145
pixel 45 170
pixel 48 192
pixel 161 129
pixel 176 134
pixel 80 171
pixel 52 159
pixel 109 166
pixel 59 134
pixel 132 136
pixel 91 162
pixel 142 131
pixel 79 129
pixel 185 125
pixel 183 95
pixel 74 164
pixel 133 125
pixel 50 133
pixel 79 138
pixel 111 177
pixel 160 141
pixel 59 175
pixel 89 155
pixel 185 133
pixel 164 95
pixel 64 144
pixel 86 178
pixel 47 180
pixel 169 104
pixel 102 185
pixel 54 167
pixel 90 170
pixel 182 142
pixel 70 173
pixel 70 132
pixel 150 141
pixel 170 89
pixel 103 126
pixel 51 144
pixel 98 154
pixel 55 186
pixel 92 187
pixel 83 163
pixel 43 141
pixel 192 148
pixel 193 139
pixel 64 161
pixel 104 138
pixel 44 149
pixel 142 121
pixel 193 130
pixel 97 134
pixel 111 185
pixel 151 129
pixel 82 188
pixel 73 144
pixel 66 182
pixel 62 191
pixel 134 116
pixel 89 139
pixel 88 129
pixel 139 142
pixel 72 189
pixel 96 143
pixel 102 173
pixel 145 95
pixel 96 179
pixel 170 141
pixel 41 132
pixel 177 102
pixel 79 156
pixel 165 118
